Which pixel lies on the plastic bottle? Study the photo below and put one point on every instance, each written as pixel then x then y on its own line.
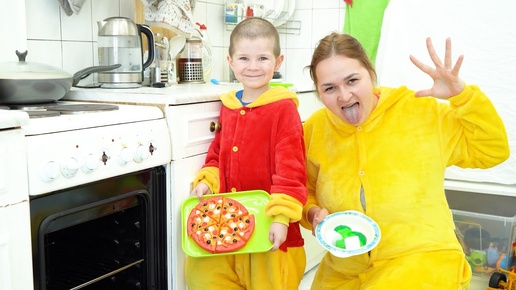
pixel 206 52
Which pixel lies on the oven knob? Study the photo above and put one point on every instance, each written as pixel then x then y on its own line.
pixel 49 171
pixel 91 162
pixel 141 153
pixel 126 155
pixel 69 167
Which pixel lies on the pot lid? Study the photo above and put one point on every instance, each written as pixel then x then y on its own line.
pixel 21 69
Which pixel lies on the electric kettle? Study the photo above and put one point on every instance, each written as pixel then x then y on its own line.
pixel 120 42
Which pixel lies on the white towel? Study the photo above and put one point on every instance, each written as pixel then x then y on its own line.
pixel 71 6
pixel 175 15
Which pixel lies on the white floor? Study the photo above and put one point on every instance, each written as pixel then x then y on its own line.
pixel 307 279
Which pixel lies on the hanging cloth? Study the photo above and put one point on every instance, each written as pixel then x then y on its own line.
pixel 175 15
pixel 71 6
pixel 364 22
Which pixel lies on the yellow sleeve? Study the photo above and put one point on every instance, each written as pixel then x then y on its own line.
pixel 284 208
pixel 210 176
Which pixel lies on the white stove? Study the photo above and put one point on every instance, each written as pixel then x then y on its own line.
pixel 74 143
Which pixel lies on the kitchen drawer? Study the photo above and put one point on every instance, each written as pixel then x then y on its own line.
pixel 189 127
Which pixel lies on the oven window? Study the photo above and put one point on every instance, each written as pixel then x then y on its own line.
pixel 106 235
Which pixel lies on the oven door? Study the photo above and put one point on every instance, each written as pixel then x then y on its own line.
pixel 109 234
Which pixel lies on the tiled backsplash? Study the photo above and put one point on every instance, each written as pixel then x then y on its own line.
pixel 69 42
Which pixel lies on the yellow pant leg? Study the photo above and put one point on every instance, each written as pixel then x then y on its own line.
pixel 213 273
pixel 276 270
pixel 443 270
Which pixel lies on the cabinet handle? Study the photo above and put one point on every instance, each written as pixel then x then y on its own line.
pixel 215 126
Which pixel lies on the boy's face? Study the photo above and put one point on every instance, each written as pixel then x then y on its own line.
pixel 254 63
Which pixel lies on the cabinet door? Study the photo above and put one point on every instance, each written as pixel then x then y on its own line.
pixel 190 128
pixel 182 173
pixel 15 247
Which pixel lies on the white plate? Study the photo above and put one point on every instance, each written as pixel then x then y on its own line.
pixel 356 221
pixel 286 13
pixel 273 8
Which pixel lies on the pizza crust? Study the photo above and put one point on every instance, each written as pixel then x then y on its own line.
pixel 220 225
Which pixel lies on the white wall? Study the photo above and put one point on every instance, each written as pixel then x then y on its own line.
pixel 69 42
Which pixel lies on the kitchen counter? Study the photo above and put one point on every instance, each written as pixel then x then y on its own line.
pixel 179 94
pixel 173 95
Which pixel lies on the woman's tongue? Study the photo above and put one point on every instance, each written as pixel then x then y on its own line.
pixel 351 113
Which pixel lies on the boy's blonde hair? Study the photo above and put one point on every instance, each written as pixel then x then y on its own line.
pixel 252 28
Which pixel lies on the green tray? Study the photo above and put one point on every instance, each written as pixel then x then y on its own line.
pixel 254 201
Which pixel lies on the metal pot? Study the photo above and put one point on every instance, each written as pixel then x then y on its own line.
pixel 24 82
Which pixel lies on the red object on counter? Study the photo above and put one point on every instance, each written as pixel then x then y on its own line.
pixel 349 2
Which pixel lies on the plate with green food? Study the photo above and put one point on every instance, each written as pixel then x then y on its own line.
pixel 348 233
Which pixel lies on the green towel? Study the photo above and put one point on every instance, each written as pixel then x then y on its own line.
pixel 364 22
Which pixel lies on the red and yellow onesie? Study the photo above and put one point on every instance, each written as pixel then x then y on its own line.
pixel 392 168
pixel 259 146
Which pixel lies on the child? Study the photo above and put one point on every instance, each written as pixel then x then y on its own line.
pixel 259 146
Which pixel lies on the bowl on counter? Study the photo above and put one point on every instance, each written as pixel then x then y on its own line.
pixel 348 233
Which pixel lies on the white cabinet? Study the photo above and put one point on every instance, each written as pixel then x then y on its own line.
pixel 191 137
pixel 15 247
pixel 189 127
pixel 15 239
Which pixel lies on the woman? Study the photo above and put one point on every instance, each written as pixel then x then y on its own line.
pixel 383 151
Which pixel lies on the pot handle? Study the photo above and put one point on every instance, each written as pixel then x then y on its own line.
pixel 92 69
pixel 150 42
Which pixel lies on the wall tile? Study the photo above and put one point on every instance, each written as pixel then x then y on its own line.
pixel 324 23
pixel 295 62
pixel 102 9
pixel 126 8
pixel 43 19
pixel 77 26
pixel 14 32
pixel 327 4
pixel 215 24
pixel 303 39
pixel 304 4
pixel 78 56
pixel 45 51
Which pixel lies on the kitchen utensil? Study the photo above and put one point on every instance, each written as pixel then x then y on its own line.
pixel 23 82
pixel 354 230
pixel 177 43
pixel 120 42
pixel 254 201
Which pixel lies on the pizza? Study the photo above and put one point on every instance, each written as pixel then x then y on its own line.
pixel 220 224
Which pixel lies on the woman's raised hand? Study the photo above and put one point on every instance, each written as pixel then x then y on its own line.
pixel 446 79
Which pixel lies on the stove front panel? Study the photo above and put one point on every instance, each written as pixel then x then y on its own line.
pixel 66 159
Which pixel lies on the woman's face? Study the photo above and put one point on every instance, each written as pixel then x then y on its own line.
pixel 346 88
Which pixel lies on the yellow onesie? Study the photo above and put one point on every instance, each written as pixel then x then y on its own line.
pixel 392 167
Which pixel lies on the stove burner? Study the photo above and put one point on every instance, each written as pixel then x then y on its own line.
pixel 41 114
pixel 53 109
pixel 82 108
